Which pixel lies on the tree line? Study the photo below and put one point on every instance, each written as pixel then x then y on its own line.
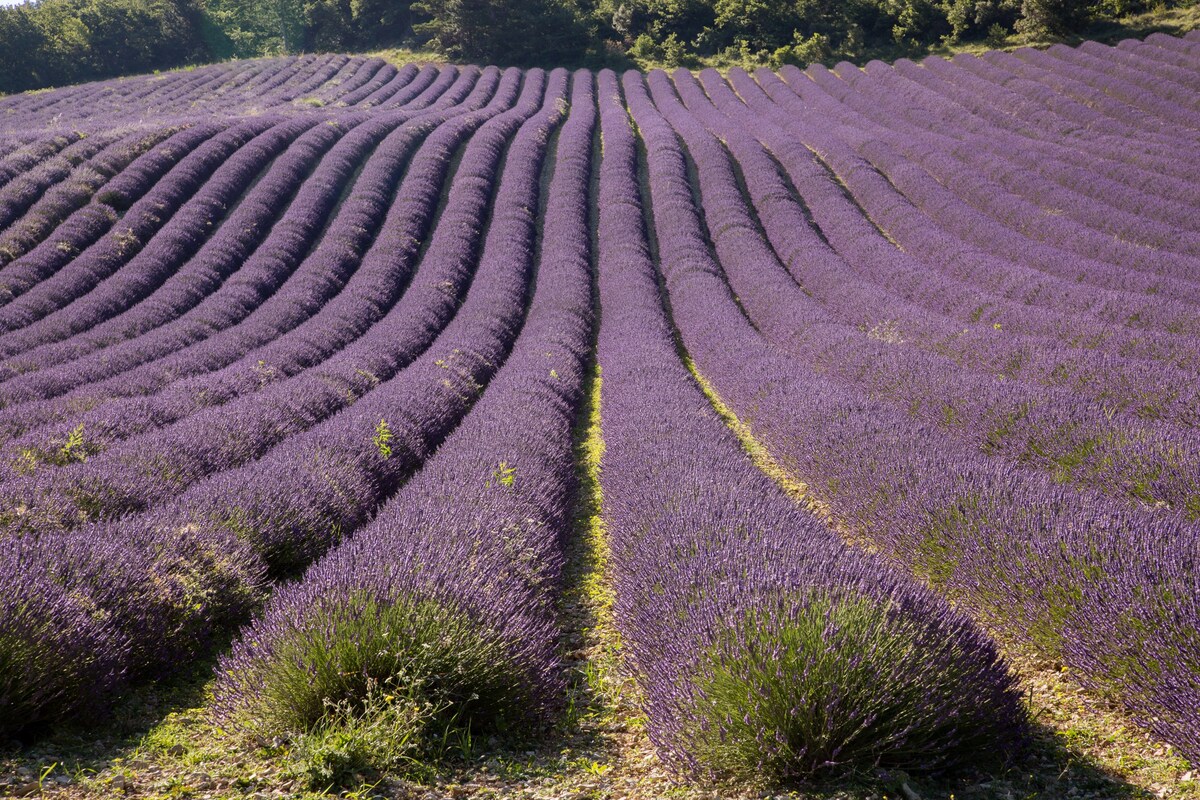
pixel 56 42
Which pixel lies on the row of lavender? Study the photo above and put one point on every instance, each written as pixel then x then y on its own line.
pixel 231 89
pixel 454 584
pixel 764 646
pixel 271 318
pixel 277 320
pixel 931 473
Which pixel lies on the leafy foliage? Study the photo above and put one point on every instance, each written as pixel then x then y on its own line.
pixel 511 31
pixel 65 41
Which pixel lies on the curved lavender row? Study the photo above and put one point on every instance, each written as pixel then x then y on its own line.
pixel 126 188
pixel 84 228
pixel 187 94
pixel 173 93
pixel 324 483
pixel 262 72
pixel 23 191
pixel 247 369
pixel 245 77
pixel 291 330
pixel 349 72
pixel 34 146
pixel 303 69
pixel 25 100
pixel 952 210
pixel 58 309
pixel 274 87
pixel 1097 250
pixel 1118 382
pixel 1049 429
pixel 51 210
pixel 1037 121
pixel 39 110
pixel 423 76
pixel 1134 56
pixel 287 93
pixel 376 74
pixel 457 511
pixel 327 84
pixel 186 186
pixel 38 105
pixel 878 261
pixel 1111 592
pixel 417 94
pixel 135 475
pixel 410 97
pixel 1053 115
pixel 1147 117
pixel 436 398
pixel 438 80
pixel 252 83
pixel 77 233
pixel 1034 120
pixel 1166 106
pixel 112 99
pixel 292 79
pixel 918 234
pixel 1141 145
pixel 967 266
pixel 318 74
pixel 237 237
pixel 1158 80
pixel 981 210
pixel 939 106
pixel 291 71
pixel 1084 192
pixel 1078 76
pixel 366 69
pixel 284 213
pixel 719 578
pixel 386 76
pixel 1160 49
pixel 29 156
pixel 1107 218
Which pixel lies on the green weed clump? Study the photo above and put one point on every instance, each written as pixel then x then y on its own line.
pixel 836 685
pixel 368 685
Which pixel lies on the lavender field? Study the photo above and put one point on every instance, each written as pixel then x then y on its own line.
pixel 837 396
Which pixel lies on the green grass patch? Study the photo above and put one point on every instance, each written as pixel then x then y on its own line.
pixel 359 674
pixel 844 684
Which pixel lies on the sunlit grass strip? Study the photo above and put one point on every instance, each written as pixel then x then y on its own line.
pixel 605 676
pixel 762 458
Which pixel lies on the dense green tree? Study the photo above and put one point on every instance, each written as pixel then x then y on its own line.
pixel 974 18
pixel 381 22
pixel 20 37
pixel 246 28
pixel 1053 17
pixel 54 42
pixel 504 31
